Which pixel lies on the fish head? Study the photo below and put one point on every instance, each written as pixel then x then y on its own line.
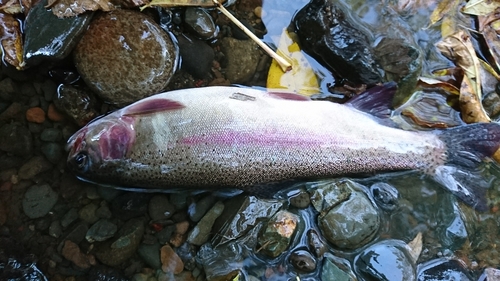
pixel 99 144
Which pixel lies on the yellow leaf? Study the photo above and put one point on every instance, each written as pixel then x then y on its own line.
pixel 470 104
pixel 448 26
pixel 458 48
pixel 480 7
pixel 301 79
pixel 443 9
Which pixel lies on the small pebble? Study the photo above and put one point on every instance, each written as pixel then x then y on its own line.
pixel 33 167
pixel 53 114
pixel 35 115
pixel 170 260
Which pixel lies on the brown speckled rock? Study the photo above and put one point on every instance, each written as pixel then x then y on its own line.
pixel 125 56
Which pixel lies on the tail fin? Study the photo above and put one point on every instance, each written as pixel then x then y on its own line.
pixel 467 147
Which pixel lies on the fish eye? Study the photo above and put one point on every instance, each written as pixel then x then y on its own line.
pixel 81 161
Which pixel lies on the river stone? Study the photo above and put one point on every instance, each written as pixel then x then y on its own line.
pixel 331 271
pixel 329 34
pixel 201 232
pixel 160 208
pixel 16 139
pixel 49 37
pixel 137 60
pixel 277 234
pixel 386 260
pixel 242 59
pixel 114 252
pixel 39 200
pixel 150 254
pixel 340 225
pixel 102 230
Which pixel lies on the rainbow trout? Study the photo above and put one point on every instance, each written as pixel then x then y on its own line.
pixel 239 137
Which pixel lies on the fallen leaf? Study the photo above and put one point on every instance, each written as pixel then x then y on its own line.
pixel 458 48
pixel 490 36
pixel 480 7
pixel 10 7
pixel 470 104
pixel 449 25
pixel 301 78
pixel 416 247
pixel 450 88
pixel 11 41
pixel 487 19
pixel 71 8
pixel 444 8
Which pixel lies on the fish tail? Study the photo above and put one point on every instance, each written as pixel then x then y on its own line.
pixel 467 147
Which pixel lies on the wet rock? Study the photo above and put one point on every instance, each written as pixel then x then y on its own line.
pixel 103 273
pixel 197 56
pixel 385 195
pixel 33 167
pixel 187 253
pixel 79 104
pixel 240 34
pixel 121 73
pixel 276 236
pixel 303 261
pixel 490 274
pixel 54 114
pixel 170 260
pixel 491 103
pixel 443 269
pixel 75 235
pixel 102 230
pixel 242 213
pixel 87 213
pixel 332 37
pixel 8 89
pixel 242 59
pixel 179 199
pixel 114 252
pixel 315 243
pixel 401 62
pixel 150 254
pixel 103 212
pixel 160 208
pixel 179 234
pixel 130 205
pixel 13 111
pixel 51 135
pixel 387 260
pixel 336 270
pixel 53 152
pixel 16 263
pixel 48 37
pixel 39 200
pixel 199 21
pixel 55 229
pixel 198 209
pixel 69 217
pixel 16 139
pixel 72 252
pixel 109 194
pixel 340 226
pixel 35 115
pixel 300 200
pixel 201 232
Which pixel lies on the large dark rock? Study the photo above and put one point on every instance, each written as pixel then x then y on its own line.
pixel 328 34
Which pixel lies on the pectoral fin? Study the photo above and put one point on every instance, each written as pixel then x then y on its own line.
pixel 149 106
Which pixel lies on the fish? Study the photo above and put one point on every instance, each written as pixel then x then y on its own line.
pixel 214 137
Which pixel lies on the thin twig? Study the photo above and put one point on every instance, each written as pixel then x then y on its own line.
pixel 284 64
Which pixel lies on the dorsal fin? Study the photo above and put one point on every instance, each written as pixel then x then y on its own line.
pixel 152 106
pixel 288 96
pixel 376 100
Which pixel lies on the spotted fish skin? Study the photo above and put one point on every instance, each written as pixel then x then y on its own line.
pixel 239 137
